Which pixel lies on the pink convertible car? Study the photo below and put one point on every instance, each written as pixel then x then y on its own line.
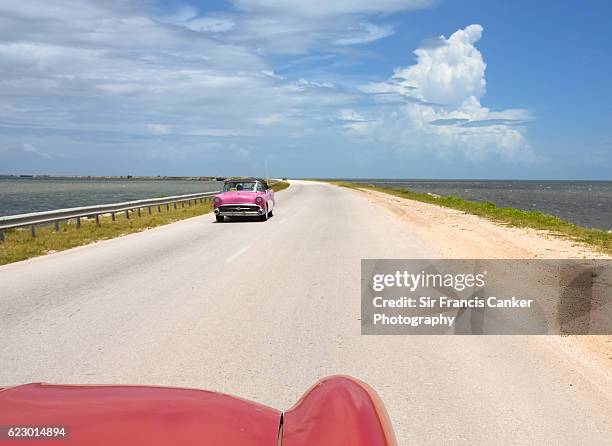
pixel 250 197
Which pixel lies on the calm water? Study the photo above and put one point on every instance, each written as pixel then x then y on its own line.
pixel 585 203
pixel 18 196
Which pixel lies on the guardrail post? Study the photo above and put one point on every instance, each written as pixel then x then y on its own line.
pixel 1 236
pixel 149 209
pixel 174 204
pixel 139 212
pixel 159 208
pixel 56 225
pixel 97 219
pixel 113 216
pixel 78 222
pixel 33 230
pixel 167 206
pixel 127 214
pixel 189 203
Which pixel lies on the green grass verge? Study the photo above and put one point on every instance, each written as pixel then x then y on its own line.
pixel 20 245
pixel 597 238
pixel 279 185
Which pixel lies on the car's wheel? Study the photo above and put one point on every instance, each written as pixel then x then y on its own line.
pixel 270 214
pixel 220 218
pixel 264 216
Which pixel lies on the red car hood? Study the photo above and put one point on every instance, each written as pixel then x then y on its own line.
pixel 233 197
pixel 134 415
pixel 337 411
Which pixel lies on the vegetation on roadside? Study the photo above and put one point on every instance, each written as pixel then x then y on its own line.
pixel 278 185
pixel 20 245
pixel 597 238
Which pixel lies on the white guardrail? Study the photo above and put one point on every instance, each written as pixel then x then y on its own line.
pixel 35 219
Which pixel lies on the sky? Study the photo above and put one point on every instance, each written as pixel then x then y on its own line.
pixel 318 88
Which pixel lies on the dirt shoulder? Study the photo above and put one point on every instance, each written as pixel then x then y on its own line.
pixel 455 234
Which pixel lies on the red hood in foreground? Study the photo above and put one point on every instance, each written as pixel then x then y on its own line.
pixel 337 411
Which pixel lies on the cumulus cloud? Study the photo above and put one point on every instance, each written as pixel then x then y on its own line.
pixel 442 110
pixel 448 73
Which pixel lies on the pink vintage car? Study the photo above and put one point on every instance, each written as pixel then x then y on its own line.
pixel 245 197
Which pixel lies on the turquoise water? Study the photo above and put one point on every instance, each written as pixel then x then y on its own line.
pixel 21 195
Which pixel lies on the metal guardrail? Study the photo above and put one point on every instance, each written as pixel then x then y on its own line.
pixel 35 219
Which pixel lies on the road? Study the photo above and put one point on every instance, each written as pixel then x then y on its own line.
pixel 264 309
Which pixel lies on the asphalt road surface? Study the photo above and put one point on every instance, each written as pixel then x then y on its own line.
pixel 264 309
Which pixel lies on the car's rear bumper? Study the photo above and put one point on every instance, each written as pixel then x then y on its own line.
pixel 239 210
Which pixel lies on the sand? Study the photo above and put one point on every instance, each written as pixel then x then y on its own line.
pixel 455 234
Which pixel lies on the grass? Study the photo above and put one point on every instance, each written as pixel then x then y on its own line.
pixel 20 245
pixel 597 238
pixel 279 185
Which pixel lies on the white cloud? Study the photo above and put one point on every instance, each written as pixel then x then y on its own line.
pixel 186 16
pixel 31 149
pixel 218 132
pixel 442 111
pixel 182 14
pixel 366 32
pixel 79 72
pixel 448 73
pixel 349 115
pixel 297 26
pixel 24 148
pixel 210 24
pixel 159 129
pixel 271 119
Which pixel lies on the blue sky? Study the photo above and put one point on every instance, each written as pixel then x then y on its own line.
pixel 345 88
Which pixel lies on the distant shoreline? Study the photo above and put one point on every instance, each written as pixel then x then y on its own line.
pixel 111 177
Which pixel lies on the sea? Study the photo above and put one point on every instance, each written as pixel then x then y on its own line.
pixel 32 194
pixel 587 203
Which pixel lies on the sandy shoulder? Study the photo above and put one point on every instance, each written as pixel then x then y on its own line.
pixel 454 234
